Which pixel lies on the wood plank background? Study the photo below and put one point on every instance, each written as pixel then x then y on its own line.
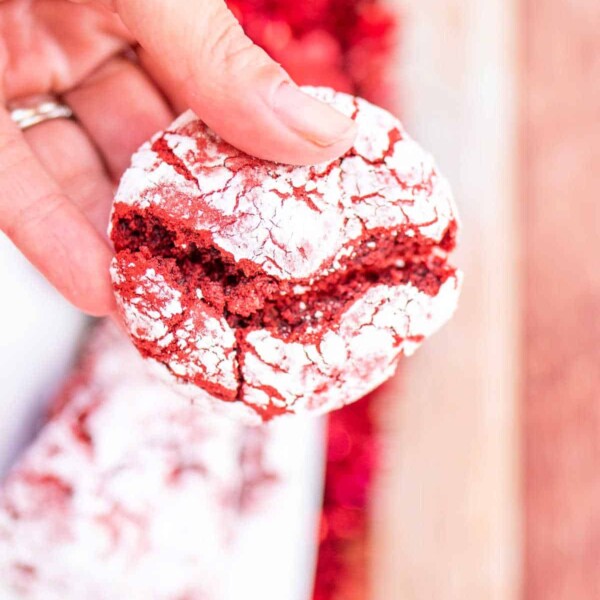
pixel 447 523
pixel 561 215
pixel 492 486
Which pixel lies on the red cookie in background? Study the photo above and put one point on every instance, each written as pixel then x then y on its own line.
pixel 283 289
pixel 127 493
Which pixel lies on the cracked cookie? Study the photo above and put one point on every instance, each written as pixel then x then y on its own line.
pixel 276 288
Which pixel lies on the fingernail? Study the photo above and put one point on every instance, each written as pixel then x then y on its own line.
pixel 312 119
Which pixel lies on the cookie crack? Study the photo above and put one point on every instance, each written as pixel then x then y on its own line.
pixel 248 298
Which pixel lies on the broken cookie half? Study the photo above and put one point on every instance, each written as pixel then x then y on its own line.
pixel 276 288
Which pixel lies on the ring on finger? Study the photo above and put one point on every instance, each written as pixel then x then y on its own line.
pixel 26 114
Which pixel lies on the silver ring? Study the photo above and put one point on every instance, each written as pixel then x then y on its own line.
pixel 26 115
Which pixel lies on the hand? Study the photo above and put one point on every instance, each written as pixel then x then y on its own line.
pixel 57 178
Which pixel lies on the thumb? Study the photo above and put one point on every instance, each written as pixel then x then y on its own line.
pixel 232 84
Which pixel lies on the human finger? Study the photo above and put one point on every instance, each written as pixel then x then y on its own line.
pixel 119 107
pixel 48 228
pixel 70 158
pixel 232 84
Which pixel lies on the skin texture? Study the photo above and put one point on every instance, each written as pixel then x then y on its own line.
pixel 57 179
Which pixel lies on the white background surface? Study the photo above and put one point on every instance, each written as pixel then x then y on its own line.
pixel 39 333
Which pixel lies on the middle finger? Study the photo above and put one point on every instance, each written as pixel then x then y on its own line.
pixel 120 108
pixel 70 158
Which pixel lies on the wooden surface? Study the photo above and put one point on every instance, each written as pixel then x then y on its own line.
pixel 447 520
pixel 561 212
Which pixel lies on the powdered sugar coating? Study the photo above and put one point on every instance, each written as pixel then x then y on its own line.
pixel 343 363
pixel 293 222
pixel 129 493
pixel 347 362
pixel 200 343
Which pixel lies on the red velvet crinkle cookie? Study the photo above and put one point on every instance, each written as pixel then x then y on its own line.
pixel 276 288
